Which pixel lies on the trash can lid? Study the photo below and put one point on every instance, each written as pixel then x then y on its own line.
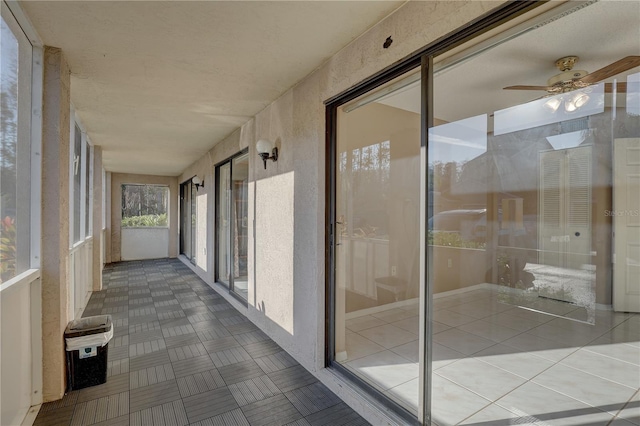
pixel 89 325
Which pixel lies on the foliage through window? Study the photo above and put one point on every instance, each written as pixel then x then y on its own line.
pixel 369 169
pixel 76 181
pixel 144 206
pixel 15 149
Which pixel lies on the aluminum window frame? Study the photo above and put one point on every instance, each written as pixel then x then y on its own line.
pixel 216 231
pixel 423 59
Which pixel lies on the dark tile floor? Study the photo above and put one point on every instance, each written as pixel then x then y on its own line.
pixel 182 355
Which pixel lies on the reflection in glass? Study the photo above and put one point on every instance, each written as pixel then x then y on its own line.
pixel 633 94
pixel 549 110
pixel 223 224
pixel 520 248
pixel 239 223
pixel 185 219
pixel 8 180
pixel 194 221
pixel 233 227
pixel 377 251
pixel 87 191
pixel 76 175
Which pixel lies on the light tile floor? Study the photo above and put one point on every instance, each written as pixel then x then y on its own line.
pixel 498 364
pixel 182 355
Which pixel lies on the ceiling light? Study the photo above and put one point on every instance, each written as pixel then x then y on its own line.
pixel 570 106
pixel 553 104
pixel 580 99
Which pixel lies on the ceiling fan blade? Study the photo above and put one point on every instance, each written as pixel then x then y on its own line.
pixel 621 87
pixel 610 70
pixel 526 88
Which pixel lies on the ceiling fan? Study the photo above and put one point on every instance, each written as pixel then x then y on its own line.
pixel 569 79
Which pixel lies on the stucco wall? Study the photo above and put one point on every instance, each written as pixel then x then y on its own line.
pixel 144 243
pixel 114 228
pixel 55 223
pixel 286 201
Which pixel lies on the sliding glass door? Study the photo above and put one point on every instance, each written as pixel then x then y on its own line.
pixel 377 252
pixel 232 179
pixel 474 273
pixel 521 165
pixel 188 222
pixel 223 228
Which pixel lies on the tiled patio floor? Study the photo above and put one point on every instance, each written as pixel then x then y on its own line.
pixel 182 355
pixel 497 363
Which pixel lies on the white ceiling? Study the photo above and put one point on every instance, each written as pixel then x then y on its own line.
pixel 158 83
pixel 599 34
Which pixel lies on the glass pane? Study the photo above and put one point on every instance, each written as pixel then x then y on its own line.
pixel 8 157
pixel 520 225
pixel 76 180
pixel 185 225
pixel 87 199
pixel 15 149
pixel 223 228
pixel 239 223
pixel 144 206
pixel 194 221
pixel 377 239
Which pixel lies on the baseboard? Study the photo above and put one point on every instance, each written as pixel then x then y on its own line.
pixel 30 417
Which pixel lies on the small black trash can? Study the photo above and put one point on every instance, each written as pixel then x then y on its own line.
pixel 87 344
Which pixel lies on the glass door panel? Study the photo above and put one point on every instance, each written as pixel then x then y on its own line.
pixel 193 220
pixel 520 253
pixel 377 245
pixel 239 223
pixel 223 243
pixel 185 222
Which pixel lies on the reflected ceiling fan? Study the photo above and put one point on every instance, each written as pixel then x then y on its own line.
pixel 570 79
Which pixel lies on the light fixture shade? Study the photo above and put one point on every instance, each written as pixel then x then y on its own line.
pixel 196 180
pixel 264 146
pixel 581 100
pixel 570 106
pixel 553 104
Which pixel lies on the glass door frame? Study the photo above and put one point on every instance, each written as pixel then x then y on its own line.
pixel 186 224
pixel 217 234
pixel 422 59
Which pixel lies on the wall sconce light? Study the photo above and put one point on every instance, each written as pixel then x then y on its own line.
pixel 264 148
pixel 199 183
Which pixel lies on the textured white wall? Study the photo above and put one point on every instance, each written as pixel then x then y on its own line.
pixel 144 243
pixel 15 355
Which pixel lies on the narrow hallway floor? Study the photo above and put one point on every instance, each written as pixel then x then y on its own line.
pixel 182 355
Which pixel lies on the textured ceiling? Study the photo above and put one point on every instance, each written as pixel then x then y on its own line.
pixel 157 84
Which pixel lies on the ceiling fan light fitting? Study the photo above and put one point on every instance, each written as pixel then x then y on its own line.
pixel 566 63
pixel 580 99
pixel 570 106
pixel 566 77
pixel 553 104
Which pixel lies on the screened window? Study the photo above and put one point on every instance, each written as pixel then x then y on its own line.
pixel 87 192
pixel 76 180
pixel 15 149
pixel 232 224
pixel 144 206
